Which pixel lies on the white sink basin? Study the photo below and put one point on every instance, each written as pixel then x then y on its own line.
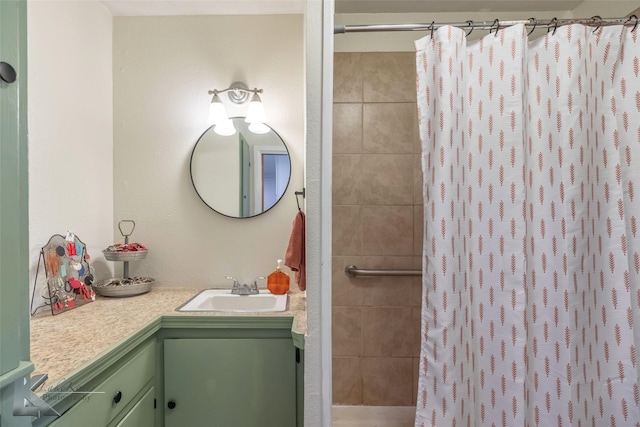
pixel 224 300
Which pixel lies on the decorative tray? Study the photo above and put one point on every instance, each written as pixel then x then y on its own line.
pixel 125 251
pixel 124 256
pixel 123 287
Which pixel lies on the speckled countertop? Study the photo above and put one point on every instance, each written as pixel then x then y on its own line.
pixel 63 343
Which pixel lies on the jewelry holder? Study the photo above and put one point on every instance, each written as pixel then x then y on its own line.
pixel 68 275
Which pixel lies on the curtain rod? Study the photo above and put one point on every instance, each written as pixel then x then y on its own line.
pixel 595 21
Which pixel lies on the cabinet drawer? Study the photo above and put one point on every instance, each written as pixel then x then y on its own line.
pixel 112 395
pixel 142 414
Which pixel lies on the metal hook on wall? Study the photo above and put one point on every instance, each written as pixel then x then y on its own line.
pixel 300 193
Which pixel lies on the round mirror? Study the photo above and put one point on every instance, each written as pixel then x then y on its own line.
pixel 240 175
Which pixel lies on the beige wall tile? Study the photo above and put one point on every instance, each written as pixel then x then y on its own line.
pixel 416 376
pixel 387 381
pixel 388 331
pixel 347 77
pixel 418 196
pixel 347 230
pixel 347 381
pixel 347 128
pixel 418 229
pixel 387 230
pixel 389 128
pixel 347 179
pixel 377 224
pixel 347 331
pixel 387 291
pixel 389 76
pixel 417 147
pixel 417 332
pixel 387 179
pixel 417 291
pixel 346 291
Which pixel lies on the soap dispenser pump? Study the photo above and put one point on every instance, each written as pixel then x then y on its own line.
pixel 278 281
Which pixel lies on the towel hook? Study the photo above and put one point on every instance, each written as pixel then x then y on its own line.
pixel 299 193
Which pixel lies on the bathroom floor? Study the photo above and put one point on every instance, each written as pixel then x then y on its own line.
pixel 373 416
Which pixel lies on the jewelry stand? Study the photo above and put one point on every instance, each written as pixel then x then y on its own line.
pixel 68 276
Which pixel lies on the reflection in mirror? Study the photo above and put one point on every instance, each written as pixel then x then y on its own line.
pixel 241 175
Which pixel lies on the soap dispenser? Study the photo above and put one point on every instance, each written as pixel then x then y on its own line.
pixel 278 281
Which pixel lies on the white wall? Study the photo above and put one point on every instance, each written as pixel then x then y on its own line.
pixel 162 70
pixel 70 127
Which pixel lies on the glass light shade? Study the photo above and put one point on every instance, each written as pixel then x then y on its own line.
pixel 259 128
pixel 217 112
pixel 225 128
pixel 255 112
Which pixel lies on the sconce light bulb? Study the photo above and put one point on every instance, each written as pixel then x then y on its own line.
pixel 255 112
pixel 259 128
pixel 225 128
pixel 217 112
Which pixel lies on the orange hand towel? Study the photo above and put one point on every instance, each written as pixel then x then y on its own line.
pixel 295 257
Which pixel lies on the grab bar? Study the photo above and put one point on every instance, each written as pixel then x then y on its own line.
pixel 353 271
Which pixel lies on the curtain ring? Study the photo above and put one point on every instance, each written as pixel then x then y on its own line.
pixel 634 25
pixel 599 22
pixel 496 22
pixel 431 26
pixel 553 22
pixel 470 22
pixel 535 24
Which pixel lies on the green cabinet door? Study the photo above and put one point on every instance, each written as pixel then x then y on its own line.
pixel 300 386
pixel 247 382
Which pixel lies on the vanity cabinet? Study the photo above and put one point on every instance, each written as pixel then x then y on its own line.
pixel 249 382
pixel 123 397
pixel 189 371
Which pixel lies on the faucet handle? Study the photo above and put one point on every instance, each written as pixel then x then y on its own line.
pixel 236 285
pixel 254 285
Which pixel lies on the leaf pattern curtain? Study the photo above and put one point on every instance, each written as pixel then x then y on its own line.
pixel 531 271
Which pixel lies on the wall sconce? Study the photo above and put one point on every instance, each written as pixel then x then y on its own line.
pixel 238 93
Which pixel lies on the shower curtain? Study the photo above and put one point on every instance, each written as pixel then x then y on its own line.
pixel 531 271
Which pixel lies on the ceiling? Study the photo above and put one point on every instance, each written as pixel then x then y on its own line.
pixel 203 7
pixel 259 7
pixel 435 6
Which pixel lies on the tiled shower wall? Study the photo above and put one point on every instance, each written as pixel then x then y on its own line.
pixel 377 224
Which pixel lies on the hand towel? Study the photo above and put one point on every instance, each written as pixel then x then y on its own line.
pixel 295 255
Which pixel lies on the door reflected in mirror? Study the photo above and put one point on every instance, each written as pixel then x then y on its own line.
pixel 241 175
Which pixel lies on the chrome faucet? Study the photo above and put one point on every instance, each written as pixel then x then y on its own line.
pixel 244 289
